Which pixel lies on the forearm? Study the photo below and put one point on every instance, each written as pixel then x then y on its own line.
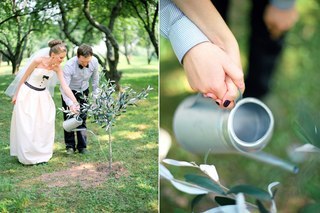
pixel 204 15
pixel 95 80
pixel 65 90
pixel 69 94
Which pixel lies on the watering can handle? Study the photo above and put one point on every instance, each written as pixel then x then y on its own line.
pixel 201 99
pixel 239 97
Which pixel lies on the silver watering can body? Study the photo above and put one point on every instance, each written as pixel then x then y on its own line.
pixel 72 123
pixel 200 126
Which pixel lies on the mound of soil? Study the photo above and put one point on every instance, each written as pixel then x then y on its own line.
pixel 86 175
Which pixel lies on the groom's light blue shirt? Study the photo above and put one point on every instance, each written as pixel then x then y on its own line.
pixel 78 79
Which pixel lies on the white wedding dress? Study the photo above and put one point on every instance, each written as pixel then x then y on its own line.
pixel 33 120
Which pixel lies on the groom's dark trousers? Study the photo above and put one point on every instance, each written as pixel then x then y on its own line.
pixel 69 137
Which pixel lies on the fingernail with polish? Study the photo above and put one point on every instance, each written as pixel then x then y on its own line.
pixel 217 103
pixel 226 103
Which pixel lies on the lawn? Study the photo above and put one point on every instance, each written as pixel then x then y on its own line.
pixel 295 89
pixel 81 183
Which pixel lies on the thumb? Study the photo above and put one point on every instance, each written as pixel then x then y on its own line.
pixel 235 73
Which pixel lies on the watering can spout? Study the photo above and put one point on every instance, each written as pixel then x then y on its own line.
pixel 273 160
pixel 200 125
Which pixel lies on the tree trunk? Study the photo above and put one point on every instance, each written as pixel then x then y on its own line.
pixel 154 42
pixel 125 44
pixel 148 54
pixel 111 42
pixel 110 148
pixel 14 67
pixel 113 59
pixel 149 21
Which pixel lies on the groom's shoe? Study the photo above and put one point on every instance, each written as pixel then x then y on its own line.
pixel 83 151
pixel 70 151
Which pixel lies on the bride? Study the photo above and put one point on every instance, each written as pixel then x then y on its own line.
pixel 33 118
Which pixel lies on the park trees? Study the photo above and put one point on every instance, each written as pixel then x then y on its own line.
pixel 76 22
pixel 17 21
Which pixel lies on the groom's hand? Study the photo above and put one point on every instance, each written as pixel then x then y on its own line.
pixel 75 108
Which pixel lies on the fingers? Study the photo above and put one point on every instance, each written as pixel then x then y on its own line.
pixel 231 95
pixel 204 71
pixel 211 71
pixel 74 109
pixel 214 97
pixel 13 101
pixel 235 74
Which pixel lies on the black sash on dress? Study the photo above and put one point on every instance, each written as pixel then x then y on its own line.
pixel 34 88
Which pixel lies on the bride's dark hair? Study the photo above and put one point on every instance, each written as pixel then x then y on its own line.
pixel 57 46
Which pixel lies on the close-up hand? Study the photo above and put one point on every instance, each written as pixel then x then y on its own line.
pixel 278 21
pixel 212 72
pixel 13 100
pixel 75 108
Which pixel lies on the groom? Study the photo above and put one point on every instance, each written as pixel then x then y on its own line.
pixel 77 73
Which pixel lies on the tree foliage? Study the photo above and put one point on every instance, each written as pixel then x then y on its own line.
pixel 105 105
pixel 18 20
pixel 147 12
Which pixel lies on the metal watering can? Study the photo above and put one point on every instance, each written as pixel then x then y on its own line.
pixel 201 126
pixel 72 123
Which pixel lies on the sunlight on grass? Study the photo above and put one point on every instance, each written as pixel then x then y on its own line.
pixel 154 205
pixel 148 146
pixel 136 75
pixel 5 70
pixel 130 135
pixel 137 62
pixel 105 138
pixel 145 186
pixel 139 126
pixel 142 126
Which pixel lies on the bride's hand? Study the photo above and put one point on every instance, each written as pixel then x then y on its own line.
pixel 14 98
pixel 75 108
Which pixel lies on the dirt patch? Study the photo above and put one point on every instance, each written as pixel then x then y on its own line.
pixel 85 175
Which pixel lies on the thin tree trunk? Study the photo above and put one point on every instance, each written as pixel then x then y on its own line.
pixel 111 42
pixel 125 43
pixel 110 148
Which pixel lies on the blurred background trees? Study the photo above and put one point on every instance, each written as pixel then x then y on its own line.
pixel 113 27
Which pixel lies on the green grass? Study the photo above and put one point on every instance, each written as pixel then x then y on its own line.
pixel 295 89
pixel 132 188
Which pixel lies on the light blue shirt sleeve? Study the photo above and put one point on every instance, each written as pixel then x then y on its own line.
pixel 283 4
pixel 182 33
pixel 95 75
